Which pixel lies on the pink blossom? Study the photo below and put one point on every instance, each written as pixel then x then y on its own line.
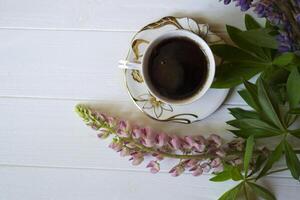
pixel 149 137
pixel 112 122
pixel 197 142
pixel 177 170
pixel 205 167
pixel 115 145
pixel 137 132
pixel 176 142
pixel 218 169
pixel 220 153
pixel 215 162
pixel 162 139
pixel 215 139
pixel 125 152
pixel 123 128
pixel 154 166
pixel 103 133
pixel 137 158
pixel 191 162
pixel 197 170
pixel 158 156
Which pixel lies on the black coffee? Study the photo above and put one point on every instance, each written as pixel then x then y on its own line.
pixel 177 68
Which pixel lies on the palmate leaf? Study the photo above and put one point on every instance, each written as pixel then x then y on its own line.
pixel 260 37
pixel 293 88
pixel 234 54
pixel 241 42
pixel 248 153
pixel 274 157
pixel 257 133
pixel 253 124
pixel 222 176
pixel 240 113
pixel 268 105
pixel 296 133
pixel 250 96
pixel 261 191
pixel 232 74
pixel 285 59
pixel 230 172
pixel 292 160
pixel 231 194
pixel 251 23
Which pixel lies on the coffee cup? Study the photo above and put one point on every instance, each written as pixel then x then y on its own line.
pixel 178 67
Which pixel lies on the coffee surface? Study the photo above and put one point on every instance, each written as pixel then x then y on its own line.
pixel 177 68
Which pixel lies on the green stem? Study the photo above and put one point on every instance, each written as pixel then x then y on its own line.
pixel 245 191
pixel 276 171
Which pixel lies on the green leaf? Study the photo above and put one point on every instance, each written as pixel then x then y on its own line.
pixel 293 88
pixel 236 174
pixel 260 37
pixel 240 113
pixel 229 75
pixel 231 194
pixel 260 160
pixel 292 160
pixel 248 153
pixel 261 191
pixel 222 176
pixel 252 96
pixel 257 133
pixel 234 32
pixel 248 98
pixel 274 157
pixel 251 23
pixel 253 124
pixel 284 59
pixel 295 111
pixel 296 133
pixel 268 105
pixel 234 54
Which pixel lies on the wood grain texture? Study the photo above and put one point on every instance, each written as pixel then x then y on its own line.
pixel 65 64
pixel 111 15
pixel 76 184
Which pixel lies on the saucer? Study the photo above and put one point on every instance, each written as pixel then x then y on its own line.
pixel 138 91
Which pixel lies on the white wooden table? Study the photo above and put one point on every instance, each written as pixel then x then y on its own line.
pixel 57 53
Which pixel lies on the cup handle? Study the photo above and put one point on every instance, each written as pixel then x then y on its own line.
pixel 124 64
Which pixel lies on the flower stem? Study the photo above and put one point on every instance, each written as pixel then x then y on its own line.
pixel 276 171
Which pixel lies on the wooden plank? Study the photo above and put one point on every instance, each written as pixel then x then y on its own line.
pixel 48 133
pixel 65 64
pixel 60 184
pixel 111 15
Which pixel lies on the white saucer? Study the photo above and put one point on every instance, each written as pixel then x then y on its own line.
pixel 138 92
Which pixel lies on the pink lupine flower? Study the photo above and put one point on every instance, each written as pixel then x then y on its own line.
pixel 205 167
pixel 137 132
pixel 149 138
pixel 215 139
pixel 103 133
pixel 154 166
pixel 112 122
pixel 220 153
pixel 115 145
pixel 177 170
pixel 176 142
pixel 123 128
pixel 137 158
pixel 191 162
pixel 162 139
pixel 197 170
pixel 215 162
pixel 200 144
pixel 237 144
pixel 218 169
pixel 125 152
pixel 158 156
pixel 100 116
